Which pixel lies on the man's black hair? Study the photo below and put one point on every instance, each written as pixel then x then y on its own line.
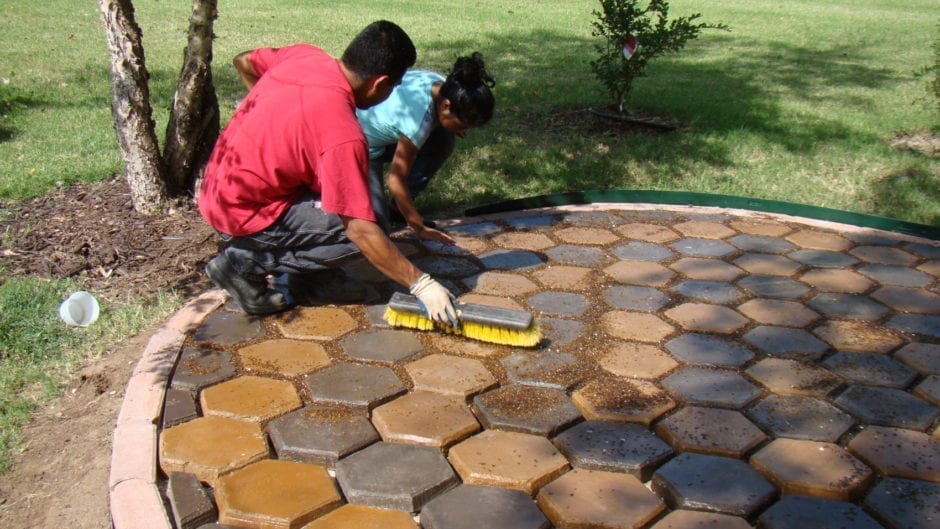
pixel 382 48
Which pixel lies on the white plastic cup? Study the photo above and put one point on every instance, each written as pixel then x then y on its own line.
pixel 79 310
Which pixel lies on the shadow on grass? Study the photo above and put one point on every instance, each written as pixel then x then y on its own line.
pixel 911 189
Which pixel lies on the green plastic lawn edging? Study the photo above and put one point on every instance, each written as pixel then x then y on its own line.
pixel 682 198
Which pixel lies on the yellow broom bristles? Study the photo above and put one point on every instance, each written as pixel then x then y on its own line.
pixel 477 331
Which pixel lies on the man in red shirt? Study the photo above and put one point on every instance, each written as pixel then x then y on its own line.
pixel 286 185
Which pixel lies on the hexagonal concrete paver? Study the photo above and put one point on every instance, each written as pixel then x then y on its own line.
pixel 568 254
pixel 927 325
pixel 870 369
pixel 786 342
pixel 929 389
pixel 791 377
pixel 640 273
pixel 884 255
pixel 703 317
pixel 642 251
pixel 710 431
pixel 209 447
pixel 760 226
pixel 698 247
pixel 276 494
pixel 642 231
pixel 823 258
pixel 179 406
pixel 778 312
pixel 707 269
pixel 228 328
pixel 559 303
pixel 802 512
pixel 395 476
pixel 773 286
pixel 888 407
pixel 474 506
pixel 762 244
pixel 633 360
pixel 703 229
pixel 711 387
pixel 505 259
pixel 528 409
pixel 613 446
pixel 847 306
pixel 523 240
pixel 594 498
pixel 199 367
pixel 425 418
pixel 682 519
pixel 383 346
pixel 898 276
pixel 511 460
pixel 713 483
pixel 460 267
pixel 501 283
pixel 812 468
pixel 189 501
pixel 291 358
pixel 709 291
pixel 637 326
pixel 584 235
pixel 450 375
pixel 617 399
pixel 550 369
pixel 315 323
pixel 250 398
pixel 363 517
pixel 767 264
pixel 913 300
pixel 363 386
pixel 564 277
pixel 858 336
pixel 709 350
pixel 923 357
pixel 819 240
pixel 798 417
pixel 898 452
pixel 634 298
pixel 919 510
pixel 836 280
pixel 320 435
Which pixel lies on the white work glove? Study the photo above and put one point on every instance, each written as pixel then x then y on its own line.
pixel 437 300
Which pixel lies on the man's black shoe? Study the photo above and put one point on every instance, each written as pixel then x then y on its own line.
pixel 254 297
pixel 330 285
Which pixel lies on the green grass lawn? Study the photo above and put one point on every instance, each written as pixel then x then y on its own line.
pixel 794 104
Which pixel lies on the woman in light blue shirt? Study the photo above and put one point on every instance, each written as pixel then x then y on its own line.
pixel 414 131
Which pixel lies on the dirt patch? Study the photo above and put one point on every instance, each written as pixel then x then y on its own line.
pixel 926 143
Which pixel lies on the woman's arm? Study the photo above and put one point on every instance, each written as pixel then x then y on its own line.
pixel 397 180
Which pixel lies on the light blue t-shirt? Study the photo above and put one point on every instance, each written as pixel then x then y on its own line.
pixel 408 112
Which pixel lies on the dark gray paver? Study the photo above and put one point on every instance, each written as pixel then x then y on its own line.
pixel 604 219
pixel 527 409
pixel 559 303
pixel 577 255
pixel 823 258
pixel 930 251
pixel 712 483
pixel 709 350
pixel 798 417
pixel 551 369
pixel 900 276
pixel 198 368
pixel 711 387
pixel 642 251
pixel 613 446
pixel 888 407
pixel 773 286
pixel 506 259
pixel 710 291
pixel 805 512
pixel 884 255
pixel 923 357
pixel 448 266
pixel 641 299
pixel 474 507
pixel 871 369
pixel 228 328
pixel 190 501
pixel 320 435
pixel 703 247
pixel 905 503
pixel 382 345
pixel 558 332
pixel 850 306
pixel 395 476
pixel 538 221
pixel 363 386
pixel 785 342
pixel 179 406
pixel 477 229
pixel 917 324
pixel 762 244
pixel 710 431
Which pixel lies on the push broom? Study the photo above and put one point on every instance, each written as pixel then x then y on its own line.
pixel 479 322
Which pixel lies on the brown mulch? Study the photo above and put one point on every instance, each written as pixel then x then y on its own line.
pixel 91 233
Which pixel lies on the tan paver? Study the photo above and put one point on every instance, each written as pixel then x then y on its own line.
pixel 766 227
pixel 648 232
pixel 276 494
pixel 811 468
pixel 682 519
pixel 209 447
pixel 704 229
pixel 523 240
pixel 510 460
pixel 590 236
pixel 617 399
pixel 632 360
pixel 563 277
pixel 836 280
pixel 768 264
pixel 493 301
pixel 819 240
pixel 858 336
pixel 501 284
pixel 637 326
pixel 704 317
pixel 779 312
pixel 425 418
pixel 351 516
pixel 707 269
pixel 450 375
pixel 899 452
pixel 931 267
pixel 640 273
pixel 315 323
pixel 290 358
pixel 790 377
pixel 462 346
pixel 593 498
pixel 250 398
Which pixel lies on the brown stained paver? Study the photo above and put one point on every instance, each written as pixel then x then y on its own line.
pixel 589 236
pixel 250 398
pixel 704 229
pixel 351 516
pixel 563 277
pixel 765 227
pixel 640 273
pixel 315 323
pixel 501 283
pixel 929 389
pixel 819 240
pixel 932 267
pixel 209 447
pixel 615 399
pixel 812 468
pixel 450 375
pixel 647 232
pixel 706 269
pixel 290 358
pixel 862 337
pixel 682 519
pixel 881 448
pixel 523 240
pixel 634 360
pixel 593 498
pixel 512 460
pixel 493 301
pixel 425 418
pixel 705 317
pixel 836 280
pixel 767 264
pixel 636 326
pixel 778 312
pixel 791 377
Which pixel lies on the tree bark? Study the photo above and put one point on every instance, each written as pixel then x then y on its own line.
pixel 194 119
pixel 130 106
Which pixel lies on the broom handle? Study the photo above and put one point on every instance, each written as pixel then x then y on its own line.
pixel 469 312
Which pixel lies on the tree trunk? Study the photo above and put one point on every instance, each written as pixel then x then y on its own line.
pixel 194 119
pixel 130 106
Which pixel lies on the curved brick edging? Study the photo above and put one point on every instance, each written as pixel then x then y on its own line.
pixel 135 501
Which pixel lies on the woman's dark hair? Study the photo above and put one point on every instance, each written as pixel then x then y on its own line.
pixel 381 48
pixel 467 87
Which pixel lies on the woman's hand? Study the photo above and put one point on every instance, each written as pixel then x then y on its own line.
pixel 430 234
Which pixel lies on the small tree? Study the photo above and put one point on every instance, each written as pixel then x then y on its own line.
pixel 632 36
